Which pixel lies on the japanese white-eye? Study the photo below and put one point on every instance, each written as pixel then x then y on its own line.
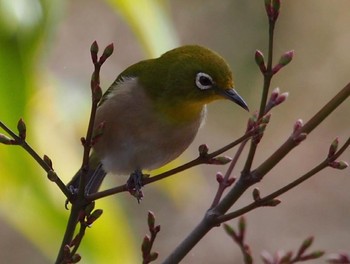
pixel 153 110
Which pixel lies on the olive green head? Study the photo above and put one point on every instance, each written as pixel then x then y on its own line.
pixel 185 79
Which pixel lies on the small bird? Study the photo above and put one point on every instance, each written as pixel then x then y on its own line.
pixel 153 110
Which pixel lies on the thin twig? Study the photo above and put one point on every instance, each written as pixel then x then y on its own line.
pixel 80 202
pixel 268 74
pixel 286 147
pixel 261 202
pixel 209 220
pixel 19 141
pixel 225 183
pixel 186 166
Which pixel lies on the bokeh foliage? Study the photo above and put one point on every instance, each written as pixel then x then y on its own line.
pixel 28 202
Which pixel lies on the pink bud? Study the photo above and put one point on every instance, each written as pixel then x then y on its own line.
pixel 333 148
pixel 252 121
pixel 230 181
pixel 305 245
pixel 339 165
pixel 260 61
pixel 265 119
pixel 94 51
pixel 297 126
pixel 219 177
pixel 22 130
pixel 275 93
pixel 286 57
pixel 272 9
pixel 281 98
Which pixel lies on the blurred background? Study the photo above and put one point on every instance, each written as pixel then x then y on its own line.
pixel 44 77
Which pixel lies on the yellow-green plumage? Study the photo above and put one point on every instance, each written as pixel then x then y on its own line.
pixel 153 110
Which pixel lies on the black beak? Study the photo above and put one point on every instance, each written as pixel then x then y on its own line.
pixel 232 95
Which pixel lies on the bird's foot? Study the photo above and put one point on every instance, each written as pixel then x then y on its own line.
pixel 135 183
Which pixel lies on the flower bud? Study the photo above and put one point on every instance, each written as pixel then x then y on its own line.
pixel 219 177
pixel 297 126
pixel 256 194
pixel 241 226
pixel 22 130
pixel 6 140
pixel 252 121
pixel 265 119
pixel 152 256
pixel 146 244
pixel 156 229
pixel 48 161
pixel 230 231
pixel 305 245
pixel 52 176
pixel 272 9
pixel 260 61
pixel 94 51
pixel 286 58
pixel 151 220
pixel 76 258
pixel 230 181
pixel 222 160
pixel 339 165
pixel 94 216
pixel 106 53
pixel 203 150
pixel 272 203
pixel 333 148
pixel 275 93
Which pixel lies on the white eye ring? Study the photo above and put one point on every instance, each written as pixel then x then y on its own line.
pixel 204 81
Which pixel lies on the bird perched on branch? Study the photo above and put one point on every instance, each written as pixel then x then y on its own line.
pixel 153 110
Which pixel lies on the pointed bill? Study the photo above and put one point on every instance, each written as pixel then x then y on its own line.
pixel 232 95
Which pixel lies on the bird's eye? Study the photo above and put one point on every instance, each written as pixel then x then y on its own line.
pixel 204 81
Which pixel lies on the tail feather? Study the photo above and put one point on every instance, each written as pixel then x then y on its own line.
pixel 94 179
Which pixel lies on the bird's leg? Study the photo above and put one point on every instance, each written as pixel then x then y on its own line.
pixel 135 183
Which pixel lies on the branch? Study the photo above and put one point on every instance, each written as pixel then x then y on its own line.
pixel 204 159
pixel 79 201
pixel 286 147
pixel 265 201
pixel 20 141
pixel 209 220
